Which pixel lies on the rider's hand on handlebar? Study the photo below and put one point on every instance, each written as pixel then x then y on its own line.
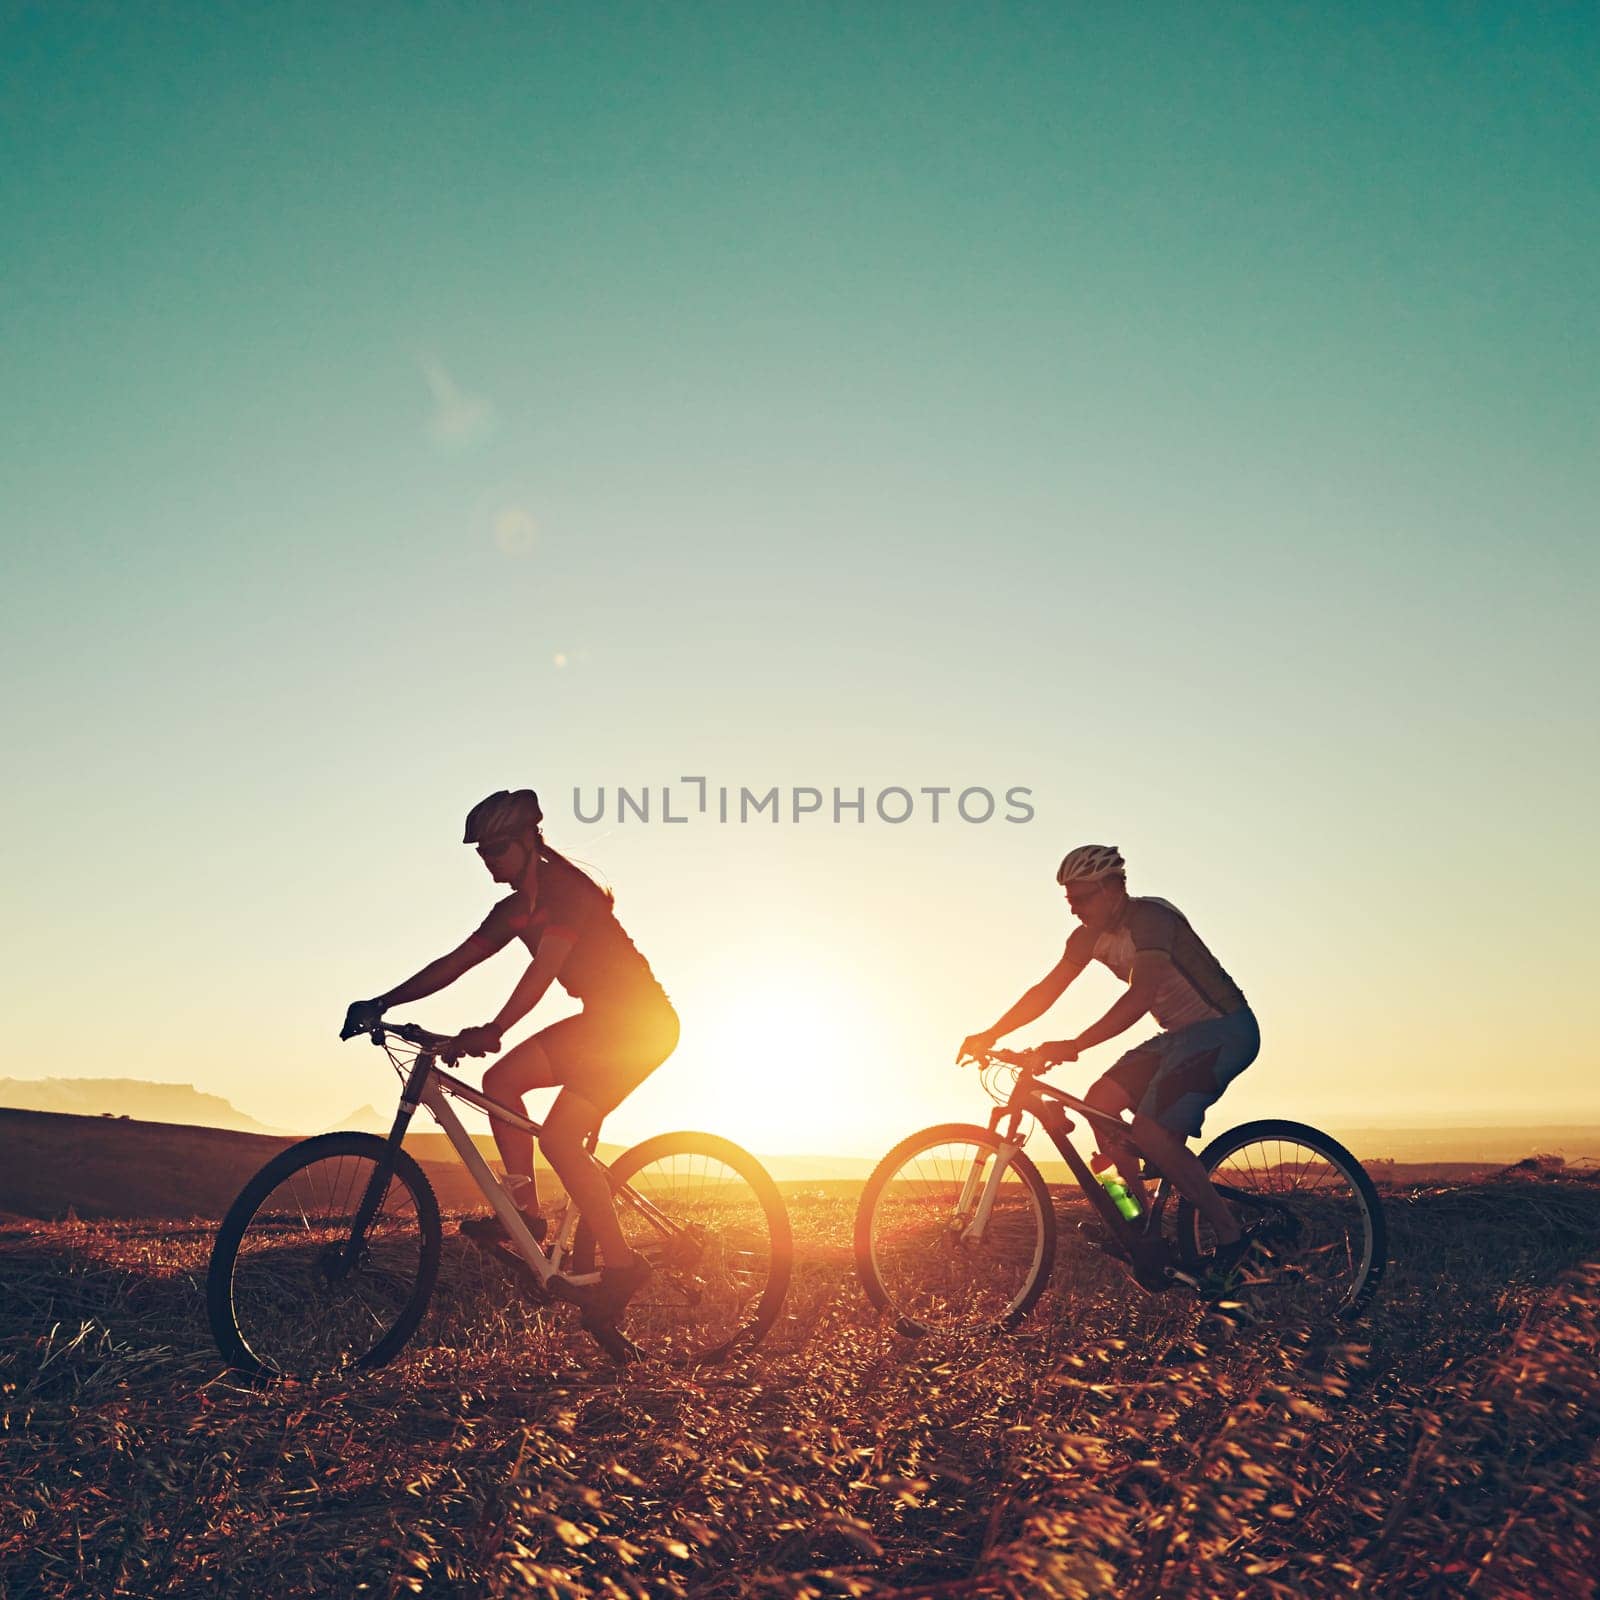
pixel 1040 1058
pixel 360 1018
pixel 1028 1060
pixel 975 1046
pixel 479 1041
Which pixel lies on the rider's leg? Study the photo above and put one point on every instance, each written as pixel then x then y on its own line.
pixel 1196 1064
pixel 1169 1152
pixel 507 1080
pixel 1108 1095
pixel 572 1119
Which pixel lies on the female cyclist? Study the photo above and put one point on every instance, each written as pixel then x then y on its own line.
pixel 626 1029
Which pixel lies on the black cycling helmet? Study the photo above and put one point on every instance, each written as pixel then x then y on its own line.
pixel 504 812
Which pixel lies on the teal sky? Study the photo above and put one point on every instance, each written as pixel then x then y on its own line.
pixel 1190 413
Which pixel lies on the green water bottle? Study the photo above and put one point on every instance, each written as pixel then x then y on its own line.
pixel 1126 1205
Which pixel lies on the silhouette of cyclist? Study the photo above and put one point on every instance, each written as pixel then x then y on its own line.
pixel 1209 1031
pixel 626 1029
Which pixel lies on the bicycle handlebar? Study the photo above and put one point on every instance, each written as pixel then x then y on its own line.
pixel 411 1033
pixel 1010 1058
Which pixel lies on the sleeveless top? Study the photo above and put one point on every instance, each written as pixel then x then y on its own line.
pixel 603 965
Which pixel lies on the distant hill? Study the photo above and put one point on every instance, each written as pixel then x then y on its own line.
pixel 129 1097
pixel 366 1120
pixel 51 1162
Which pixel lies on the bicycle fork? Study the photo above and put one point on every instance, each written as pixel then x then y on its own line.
pixel 377 1189
pixel 973 1233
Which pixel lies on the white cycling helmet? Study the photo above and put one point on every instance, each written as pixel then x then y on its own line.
pixel 1089 863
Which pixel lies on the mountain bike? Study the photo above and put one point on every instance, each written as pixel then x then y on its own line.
pixel 328 1257
pixel 956 1227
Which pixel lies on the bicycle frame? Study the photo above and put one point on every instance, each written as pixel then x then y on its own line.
pixel 428 1084
pixel 1141 1239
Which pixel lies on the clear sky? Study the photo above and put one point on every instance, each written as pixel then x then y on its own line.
pixel 1188 413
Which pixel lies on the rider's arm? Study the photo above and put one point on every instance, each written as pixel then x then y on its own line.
pixel 439 974
pixel 1144 980
pixel 542 971
pixel 1049 988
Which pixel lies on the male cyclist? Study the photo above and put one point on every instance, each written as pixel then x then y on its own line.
pixel 626 1029
pixel 1209 1032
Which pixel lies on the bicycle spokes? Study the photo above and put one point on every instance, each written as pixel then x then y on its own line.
pixel 715 1238
pixel 1312 1209
pixel 310 1293
pixel 953 1232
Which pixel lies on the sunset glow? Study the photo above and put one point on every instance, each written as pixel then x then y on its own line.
pixel 785 1067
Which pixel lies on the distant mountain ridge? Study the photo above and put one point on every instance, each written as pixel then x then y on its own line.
pixel 365 1120
pixel 130 1097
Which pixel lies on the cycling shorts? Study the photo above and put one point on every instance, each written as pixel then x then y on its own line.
pixel 605 1055
pixel 1175 1077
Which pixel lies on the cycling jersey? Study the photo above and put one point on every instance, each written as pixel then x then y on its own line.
pixel 1194 987
pixel 603 964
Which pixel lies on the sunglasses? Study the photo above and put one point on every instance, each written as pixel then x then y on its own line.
pixel 493 849
pixel 1077 894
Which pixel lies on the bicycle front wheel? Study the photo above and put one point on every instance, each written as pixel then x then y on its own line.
pixel 714 1228
pixel 288 1291
pixel 1319 1217
pixel 949 1239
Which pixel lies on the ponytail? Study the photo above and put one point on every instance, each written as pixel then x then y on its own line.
pixel 548 852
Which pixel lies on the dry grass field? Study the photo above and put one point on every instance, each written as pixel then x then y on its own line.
pixel 1115 1446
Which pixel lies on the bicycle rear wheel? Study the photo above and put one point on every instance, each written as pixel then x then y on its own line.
pixel 919 1252
pixel 714 1228
pixel 283 1293
pixel 1317 1212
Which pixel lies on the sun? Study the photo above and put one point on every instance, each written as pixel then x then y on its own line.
pixel 785 1062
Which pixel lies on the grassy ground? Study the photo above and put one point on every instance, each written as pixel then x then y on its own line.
pixel 1118 1445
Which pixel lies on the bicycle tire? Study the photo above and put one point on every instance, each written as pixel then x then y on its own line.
pixel 237 1344
pixel 698 1309
pixel 892 1291
pixel 1370 1260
